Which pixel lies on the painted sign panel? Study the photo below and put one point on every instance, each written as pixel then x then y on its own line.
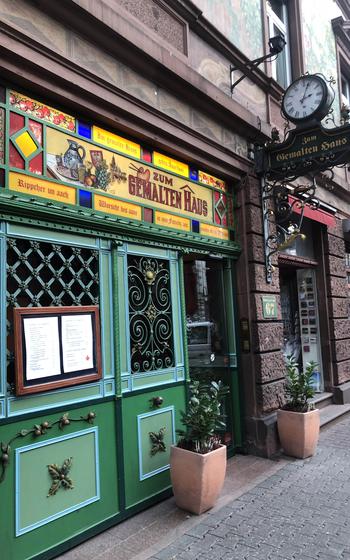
pixel 115 142
pixel 84 164
pixel 117 207
pixel 39 187
pixel 269 307
pixel 211 181
pixel 171 221
pixel 170 164
pixel 213 231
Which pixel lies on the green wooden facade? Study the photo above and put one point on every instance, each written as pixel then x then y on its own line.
pixel 62 253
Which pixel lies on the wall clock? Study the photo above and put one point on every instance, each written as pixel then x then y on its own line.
pixel 308 98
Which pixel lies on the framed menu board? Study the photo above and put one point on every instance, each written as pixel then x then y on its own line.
pixel 56 347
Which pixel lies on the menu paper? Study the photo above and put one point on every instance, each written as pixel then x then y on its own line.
pixel 77 343
pixel 42 347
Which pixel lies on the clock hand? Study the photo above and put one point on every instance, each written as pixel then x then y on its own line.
pixel 305 97
pixel 302 99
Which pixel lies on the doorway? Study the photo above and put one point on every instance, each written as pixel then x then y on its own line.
pixel 300 316
pixel 210 332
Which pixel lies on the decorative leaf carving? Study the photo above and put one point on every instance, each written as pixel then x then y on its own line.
pixel 157 439
pixel 60 476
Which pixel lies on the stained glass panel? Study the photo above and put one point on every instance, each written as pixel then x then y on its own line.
pixel 16 122
pixel 37 130
pixel 16 159
pixel 2 136
pixel 36 164
pixel 26 144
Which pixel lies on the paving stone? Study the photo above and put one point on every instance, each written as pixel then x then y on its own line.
pixel 198 530
pixel 167 553
pixel 299 513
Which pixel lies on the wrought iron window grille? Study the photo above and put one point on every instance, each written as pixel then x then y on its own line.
pixel 150 314
pixel 42 274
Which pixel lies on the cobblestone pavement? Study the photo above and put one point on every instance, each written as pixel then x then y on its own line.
pixel 302 512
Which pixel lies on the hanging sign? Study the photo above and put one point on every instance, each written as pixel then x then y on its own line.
pixel 305 151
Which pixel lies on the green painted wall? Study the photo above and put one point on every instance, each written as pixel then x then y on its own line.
pixel 137 490
pixel 35 483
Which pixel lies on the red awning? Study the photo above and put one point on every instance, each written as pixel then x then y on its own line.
pixel 316 215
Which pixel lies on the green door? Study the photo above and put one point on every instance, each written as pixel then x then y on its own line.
pixel 150 342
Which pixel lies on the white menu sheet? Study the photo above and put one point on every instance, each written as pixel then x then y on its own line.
pixel 42 347
pixel 77 343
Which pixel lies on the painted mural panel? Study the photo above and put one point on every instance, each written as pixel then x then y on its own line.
pixel 215 67
pixel 319 40
pixel 84 164
pixel 237 20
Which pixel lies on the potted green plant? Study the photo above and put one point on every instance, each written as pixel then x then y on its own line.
pixel 298 422
pixel 198 461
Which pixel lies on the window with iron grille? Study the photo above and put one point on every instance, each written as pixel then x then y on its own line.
pixel 150 314
pixel 42 274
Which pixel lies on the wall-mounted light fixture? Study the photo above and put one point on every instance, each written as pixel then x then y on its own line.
pixel 276 45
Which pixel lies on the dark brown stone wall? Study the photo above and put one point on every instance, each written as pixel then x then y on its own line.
pixel 269 366
pixel 267 337
pixel 270 396
pixel 159 18
pixel 338 304
pixel 338 307
pixel 264 368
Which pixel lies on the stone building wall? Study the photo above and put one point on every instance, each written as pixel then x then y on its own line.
pixel 338 303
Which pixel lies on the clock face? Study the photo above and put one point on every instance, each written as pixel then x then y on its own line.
pixel 304 98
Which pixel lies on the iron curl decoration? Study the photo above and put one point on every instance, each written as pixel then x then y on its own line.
pixel 286 218
pixel 150 314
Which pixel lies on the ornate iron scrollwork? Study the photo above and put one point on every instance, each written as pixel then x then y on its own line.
pixel 286 216
pixel 150 314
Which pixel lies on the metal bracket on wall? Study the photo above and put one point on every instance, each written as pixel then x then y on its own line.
pixel 283 216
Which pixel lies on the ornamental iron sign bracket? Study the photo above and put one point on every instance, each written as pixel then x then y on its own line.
pixel 307 150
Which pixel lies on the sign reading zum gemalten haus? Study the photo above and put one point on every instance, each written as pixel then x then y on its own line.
pixel 307 150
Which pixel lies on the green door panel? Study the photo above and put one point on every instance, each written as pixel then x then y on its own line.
pixel 147 474
pixel 95 492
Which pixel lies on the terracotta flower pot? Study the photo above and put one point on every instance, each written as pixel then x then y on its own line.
pixel 197 479
pixel 298 432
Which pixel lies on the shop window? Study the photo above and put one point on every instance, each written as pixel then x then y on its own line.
pixel 41 274
pixel 150 314
pixel 278 24
pixel 207 333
